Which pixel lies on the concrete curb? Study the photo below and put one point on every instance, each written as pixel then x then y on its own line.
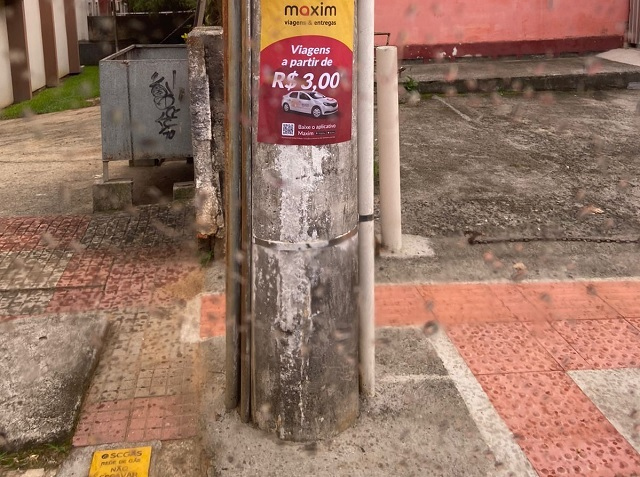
pixel 574 82
pixel 559 74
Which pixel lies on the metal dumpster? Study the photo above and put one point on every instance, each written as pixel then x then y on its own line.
pixel 144 96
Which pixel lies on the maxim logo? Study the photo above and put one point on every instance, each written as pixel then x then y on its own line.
pixel 310 11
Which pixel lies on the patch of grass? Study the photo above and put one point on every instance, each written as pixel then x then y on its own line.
pixel 46 456
pixel 410 84
pixel 206 258
pixel 72 93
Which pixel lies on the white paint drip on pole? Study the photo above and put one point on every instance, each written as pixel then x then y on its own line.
pixel 389 143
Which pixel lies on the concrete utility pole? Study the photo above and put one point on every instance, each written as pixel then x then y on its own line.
pixel 304 220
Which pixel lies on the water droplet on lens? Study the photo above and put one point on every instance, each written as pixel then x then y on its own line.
pixel 430 328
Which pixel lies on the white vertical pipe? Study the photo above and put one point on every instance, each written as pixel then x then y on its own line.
pixel 389 144
pixel 366 250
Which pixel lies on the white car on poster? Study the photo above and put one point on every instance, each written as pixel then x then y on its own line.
pixel 310 102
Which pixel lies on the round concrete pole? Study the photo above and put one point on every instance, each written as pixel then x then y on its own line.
pixel 304 279
pixel 389 142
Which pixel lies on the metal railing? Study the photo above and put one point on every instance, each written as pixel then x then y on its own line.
pixel 93 7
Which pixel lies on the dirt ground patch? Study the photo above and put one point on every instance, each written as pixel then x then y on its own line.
pixel 49 162
pixel 552 166
pixel 556 164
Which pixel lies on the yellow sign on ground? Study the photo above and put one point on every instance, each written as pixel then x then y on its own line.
pixel 121 462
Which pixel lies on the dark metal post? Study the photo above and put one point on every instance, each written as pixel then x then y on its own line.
pixel 245 305
pixel 19 60
pixel 115 25
pixel 232 74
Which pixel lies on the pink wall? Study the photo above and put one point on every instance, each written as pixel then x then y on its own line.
pixel 447 22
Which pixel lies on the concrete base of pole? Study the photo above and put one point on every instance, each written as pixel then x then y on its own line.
pixel 115 194
pixel 413 246
pixel 305 340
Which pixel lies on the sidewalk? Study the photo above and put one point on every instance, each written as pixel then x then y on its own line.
pixel 559 362
pixel 614 69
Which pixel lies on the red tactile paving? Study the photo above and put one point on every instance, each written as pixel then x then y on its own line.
pixel 623 296
pixel 604 344
pixel 401 305
pixel 565 301
pixel 567 357
pixel 500 348
pixel 139 419
pixel 511 296
pixel 212 316
pixel 593 456
pixel 465 304
pixel 634 322
pixel 535 406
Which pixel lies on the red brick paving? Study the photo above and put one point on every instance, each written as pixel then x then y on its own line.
pixel 212 316
pixel 89 268
pixel 75 299
pixel 29 233
pixel 138 419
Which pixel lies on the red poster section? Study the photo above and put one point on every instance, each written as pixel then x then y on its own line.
pixel 305 92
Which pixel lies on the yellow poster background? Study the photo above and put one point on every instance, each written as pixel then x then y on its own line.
pixel 279 20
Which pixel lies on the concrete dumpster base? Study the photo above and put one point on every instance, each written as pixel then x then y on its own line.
pixel 112 195
pixel 184 190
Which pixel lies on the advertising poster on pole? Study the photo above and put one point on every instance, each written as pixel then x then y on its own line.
pixel 306 67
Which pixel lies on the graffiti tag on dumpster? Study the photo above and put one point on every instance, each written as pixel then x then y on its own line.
pixel 164 100
pixel 306 58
